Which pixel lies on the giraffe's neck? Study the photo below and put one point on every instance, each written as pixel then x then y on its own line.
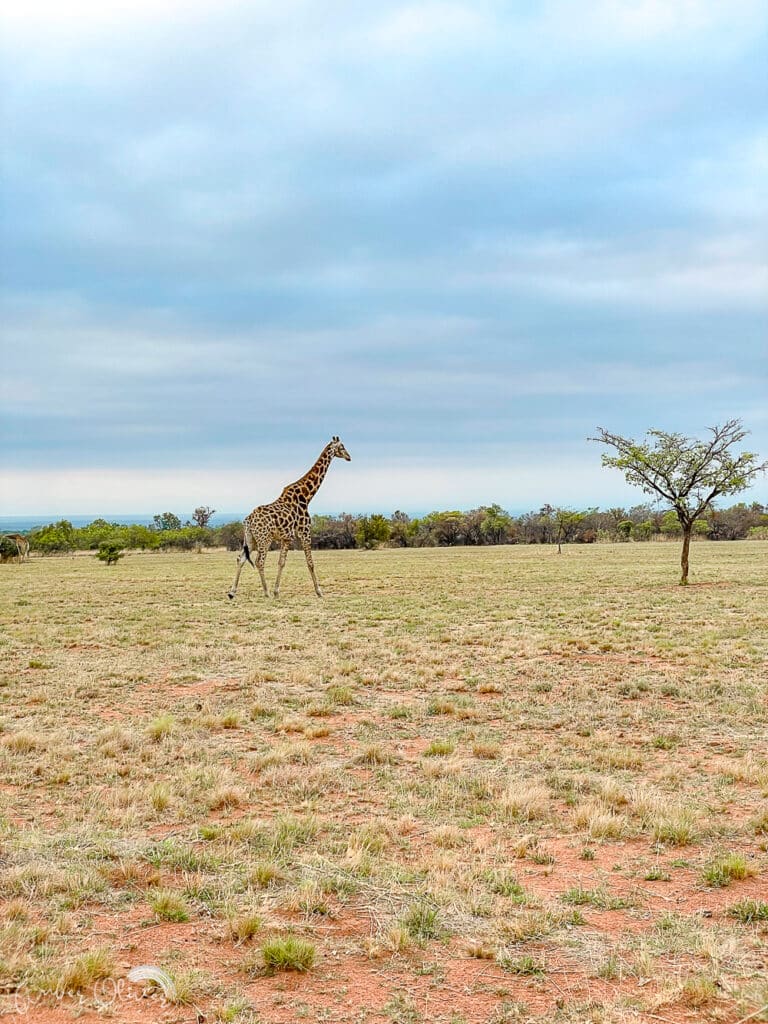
pixel 309 484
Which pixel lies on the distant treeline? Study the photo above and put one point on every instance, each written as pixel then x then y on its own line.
pixel 489 524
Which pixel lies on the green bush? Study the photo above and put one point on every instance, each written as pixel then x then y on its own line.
pixel 54 537
pixel 372 531
pixel 109 552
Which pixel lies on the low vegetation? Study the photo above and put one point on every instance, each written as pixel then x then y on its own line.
pixel 478 784
pixel 487 525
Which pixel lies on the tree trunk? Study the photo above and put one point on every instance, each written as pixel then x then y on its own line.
pixel 687 529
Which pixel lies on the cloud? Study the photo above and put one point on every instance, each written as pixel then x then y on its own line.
pixel 416 488
pixel 435 228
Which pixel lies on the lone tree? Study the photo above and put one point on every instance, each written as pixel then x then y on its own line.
pixel 687 473
pixel 202 515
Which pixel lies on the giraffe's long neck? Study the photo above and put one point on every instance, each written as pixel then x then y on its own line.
pixel 309 484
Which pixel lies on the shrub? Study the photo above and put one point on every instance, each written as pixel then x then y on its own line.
pixel 109 552
pixel 53 537
pixel 372 531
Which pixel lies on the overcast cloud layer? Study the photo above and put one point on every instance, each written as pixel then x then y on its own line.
pixel 461 236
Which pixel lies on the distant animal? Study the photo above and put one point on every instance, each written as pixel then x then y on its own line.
pixel 22 545
pixel 285 519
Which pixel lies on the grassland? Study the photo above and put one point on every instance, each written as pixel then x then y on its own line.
pixel 487 785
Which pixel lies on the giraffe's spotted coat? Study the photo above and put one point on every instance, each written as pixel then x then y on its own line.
pixel 284 519
pixel 22 545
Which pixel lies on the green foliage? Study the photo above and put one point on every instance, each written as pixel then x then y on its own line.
pixel 372 531
pixel 642 531
pixel 624 529
pixel 167 521
pixel 567 523
pixel 488 524
pixel 687 473
pixel 109 552
pixel 496 526
pixel 670 524
pixel 8 548
pixel 184 539
pixel 738 521
pixel 53 538
pixel 229 536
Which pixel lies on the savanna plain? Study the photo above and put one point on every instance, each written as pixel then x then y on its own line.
pixel 470 786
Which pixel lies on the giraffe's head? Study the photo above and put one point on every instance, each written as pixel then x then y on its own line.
pixel 338 450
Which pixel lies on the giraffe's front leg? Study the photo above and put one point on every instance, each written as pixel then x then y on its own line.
pixel 306 543
pixel 284 545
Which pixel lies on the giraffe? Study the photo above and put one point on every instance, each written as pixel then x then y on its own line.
pixel 22 545
pixel 284 519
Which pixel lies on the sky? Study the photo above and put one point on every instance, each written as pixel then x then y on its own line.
pixel 462 236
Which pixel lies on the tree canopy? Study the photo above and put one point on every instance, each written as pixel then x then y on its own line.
pixel 683 471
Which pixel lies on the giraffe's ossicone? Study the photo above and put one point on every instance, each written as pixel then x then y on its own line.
pixel 285 519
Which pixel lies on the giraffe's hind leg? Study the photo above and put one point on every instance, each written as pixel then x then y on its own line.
pixel 261 558
pixel 242 558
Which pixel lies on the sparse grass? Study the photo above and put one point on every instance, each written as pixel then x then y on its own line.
pixel 699 991
pixel 168 906
pixel 657 874
pixel 599 898
pixel 160 727
pixel 725 870
pixel 159 795
pixel 423 760
pixel 440 748
pixel 343 696
pixel 525 965
pixel 264 874
pixel 376 754
pixel 74 976
pixel 504 884
pixel 243 927
pixel 748 911
pixel 20 742
pixel 525 800
pixel 288 953
pixel 422 922
pixel 676 829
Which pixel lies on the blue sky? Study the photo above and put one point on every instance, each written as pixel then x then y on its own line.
pixel 460 235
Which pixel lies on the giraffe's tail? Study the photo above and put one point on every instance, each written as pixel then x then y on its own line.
pixel 247 553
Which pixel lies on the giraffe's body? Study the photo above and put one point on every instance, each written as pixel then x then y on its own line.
pixel 22 544
pixel 285 519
